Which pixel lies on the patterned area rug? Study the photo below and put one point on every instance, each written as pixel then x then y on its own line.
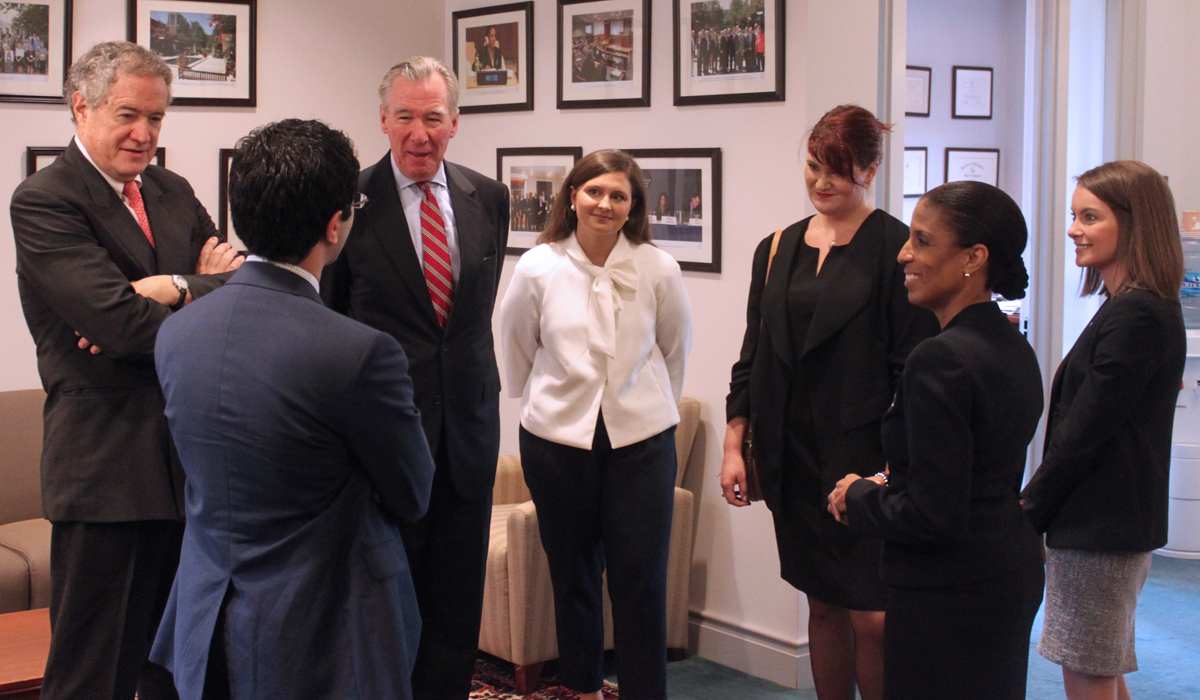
pixel 494 681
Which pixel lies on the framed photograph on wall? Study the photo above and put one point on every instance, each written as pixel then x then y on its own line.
pixel 728 54
pixel 981 164
pixel 534 177
pixel 603 53
pixel 493 58
pixel 209 44
pixel 971 94
pixel 37 158
pixel 224 215
pixel 916 90
pixel 683 186
pixel 915 170
pixel 35 50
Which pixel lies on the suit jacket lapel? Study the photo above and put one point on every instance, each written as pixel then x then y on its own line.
pixel 469 221
pixel 171 250
pixel 853 275
pixel 112 212
pixel 390 227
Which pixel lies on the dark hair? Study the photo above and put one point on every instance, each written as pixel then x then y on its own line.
pixel 563 221
pixel 286 179
pixel 980 214
pixel 848 136
pixel 1147 235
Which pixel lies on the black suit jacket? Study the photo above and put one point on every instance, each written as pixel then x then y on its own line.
pixel 861 333
pixel 955 440
pixel 378 280
pixel 107 454
pixel 1103 483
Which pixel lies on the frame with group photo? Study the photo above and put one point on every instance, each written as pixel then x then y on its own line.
pixel 38 157
pixel 210 46
pixel 35 50
pixel 493 58
pixel 534 177
pixel 683 189
pixel 603 53
pixel 724 56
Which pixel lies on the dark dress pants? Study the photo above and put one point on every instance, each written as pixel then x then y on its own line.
pixel 109 584
pixel 607 508
pixel 447 554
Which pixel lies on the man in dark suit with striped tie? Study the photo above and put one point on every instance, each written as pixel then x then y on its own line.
pixel 423 263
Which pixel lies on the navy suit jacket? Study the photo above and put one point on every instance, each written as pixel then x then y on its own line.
pixel 288 418
pixel 378 280
pixel 107 454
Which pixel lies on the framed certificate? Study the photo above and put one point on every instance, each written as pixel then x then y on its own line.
pixel 980 164
pixel 916 95
pixel 971 96
pixel 915 169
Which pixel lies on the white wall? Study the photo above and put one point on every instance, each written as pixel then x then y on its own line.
pixel 985 33
pixel 315 60
pixel 1172 96
pixel 744 615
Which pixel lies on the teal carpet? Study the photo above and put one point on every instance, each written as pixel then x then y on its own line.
pixel 1168 648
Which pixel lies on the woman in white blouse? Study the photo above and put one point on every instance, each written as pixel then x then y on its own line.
pixel 596 327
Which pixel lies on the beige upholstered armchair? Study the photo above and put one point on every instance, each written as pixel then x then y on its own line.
pixel 518 605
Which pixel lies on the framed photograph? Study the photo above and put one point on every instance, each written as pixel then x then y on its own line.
pixel 982 164
pixel 37 158
pixel 224 215
pixel 915 170
pixel 493 58
pixel 603 53
pixel 728 53
pixel 209 44
pixel 971 96
pixel 35 50
pixel 534 177
pixel 683 186
pixel 916 91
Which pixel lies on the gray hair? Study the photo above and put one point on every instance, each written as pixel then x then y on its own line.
pixel 418 69
pixel 96 71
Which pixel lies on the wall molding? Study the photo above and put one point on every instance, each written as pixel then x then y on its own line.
pixel 757 652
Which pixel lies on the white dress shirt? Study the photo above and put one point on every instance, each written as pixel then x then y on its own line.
pixel 579 339
pixel 411 196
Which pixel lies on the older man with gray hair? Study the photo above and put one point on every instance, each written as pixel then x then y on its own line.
pixel 423 263
pixel 108 246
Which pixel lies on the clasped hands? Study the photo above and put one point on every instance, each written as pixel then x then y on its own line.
pixel 837 498
pixel 215 258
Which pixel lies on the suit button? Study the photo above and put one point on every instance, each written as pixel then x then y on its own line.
pixel 445 348
pixel 437 399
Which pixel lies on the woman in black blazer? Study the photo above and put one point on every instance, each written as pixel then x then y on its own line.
pixel 825 342
pixel 962 562
pixel 1100 494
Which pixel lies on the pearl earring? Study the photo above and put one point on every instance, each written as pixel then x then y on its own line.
pixel 966 274
pixel 572 207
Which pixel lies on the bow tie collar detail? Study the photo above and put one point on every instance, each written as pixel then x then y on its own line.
pixel 619 273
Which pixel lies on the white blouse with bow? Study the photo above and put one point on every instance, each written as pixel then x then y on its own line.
pixel 578 339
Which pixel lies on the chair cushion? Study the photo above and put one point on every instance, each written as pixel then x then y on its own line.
pixel 25 565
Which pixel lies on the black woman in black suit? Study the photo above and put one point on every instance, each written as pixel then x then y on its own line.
pixel 1100 494
pixel 962 562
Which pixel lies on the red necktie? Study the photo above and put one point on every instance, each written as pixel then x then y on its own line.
pixel 436 253
pixel 134 196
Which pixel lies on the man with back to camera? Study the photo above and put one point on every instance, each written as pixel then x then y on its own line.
pixel 108 246
pixel 423 264
pixel 297 430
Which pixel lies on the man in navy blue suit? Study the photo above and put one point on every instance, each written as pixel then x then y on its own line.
pixel 302 447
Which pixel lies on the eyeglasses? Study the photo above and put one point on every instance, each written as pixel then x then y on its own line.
pixel 360 201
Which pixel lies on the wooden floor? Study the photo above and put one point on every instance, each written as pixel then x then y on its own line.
pixel 24 645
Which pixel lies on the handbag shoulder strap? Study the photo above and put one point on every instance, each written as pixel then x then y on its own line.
pixel 774 249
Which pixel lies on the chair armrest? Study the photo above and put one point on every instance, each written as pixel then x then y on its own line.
pixel 510 482
pixel 679 569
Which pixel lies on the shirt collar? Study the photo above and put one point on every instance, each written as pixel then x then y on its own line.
pixel 115 184
pixel 310 277
pixel 403 180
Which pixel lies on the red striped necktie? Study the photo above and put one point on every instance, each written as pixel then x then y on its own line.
pixel 134 195
pixel 436 254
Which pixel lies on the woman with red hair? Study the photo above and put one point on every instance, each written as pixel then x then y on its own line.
pixel 828 329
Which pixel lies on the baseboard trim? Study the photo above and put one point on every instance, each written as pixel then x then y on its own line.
pixel 765 656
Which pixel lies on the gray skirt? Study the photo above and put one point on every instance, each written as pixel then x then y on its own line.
pixel 1091 601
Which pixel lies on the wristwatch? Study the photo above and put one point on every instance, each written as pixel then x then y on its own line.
pixel 182 285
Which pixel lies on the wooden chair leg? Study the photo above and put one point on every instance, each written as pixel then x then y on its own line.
pixel 526 678
pixel 676 654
